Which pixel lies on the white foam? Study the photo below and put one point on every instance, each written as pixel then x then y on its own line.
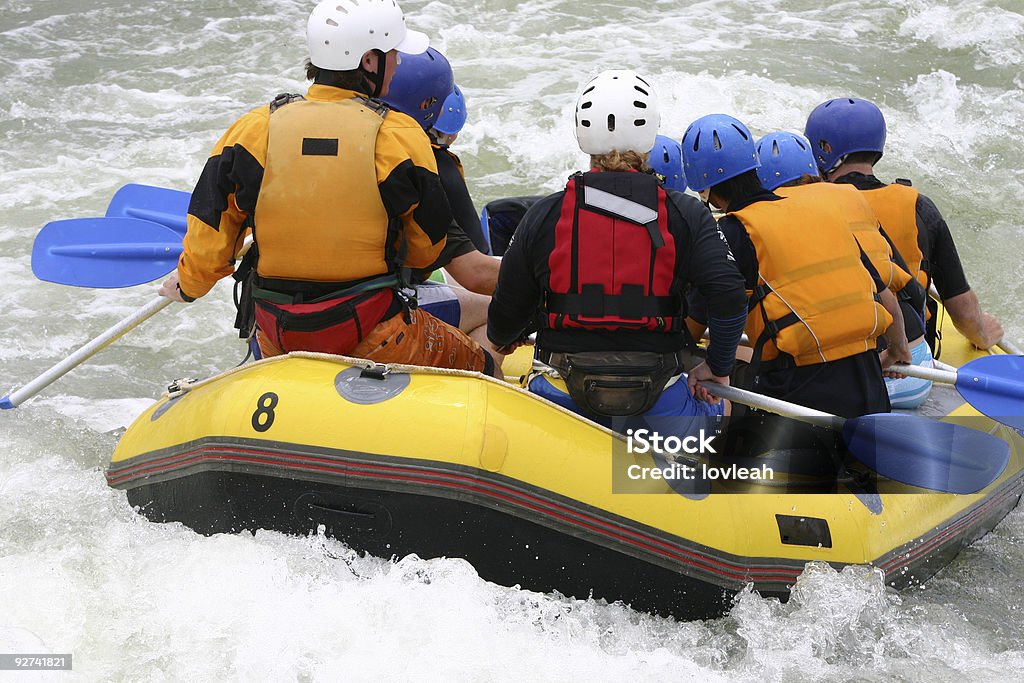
pixel 110 93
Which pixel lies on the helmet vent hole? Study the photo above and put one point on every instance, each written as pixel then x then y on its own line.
pixel 586 105
pixel 641 90
pixel 341 9
pixel 332 22
pixel 639 105
pixel 640 122
pixel 716 140
pixel 740 131
pixel 696 141
pixel 588 90
pixel 611 123
pixel 775 148
pixel 585 123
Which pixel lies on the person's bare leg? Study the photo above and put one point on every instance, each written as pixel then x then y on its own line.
pixel 473 319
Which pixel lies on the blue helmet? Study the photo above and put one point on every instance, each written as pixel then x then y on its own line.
pixel 843 126
pixel 716 148
pixel 453 113
pixel 666 158
pixel 784 157
pixel 420 85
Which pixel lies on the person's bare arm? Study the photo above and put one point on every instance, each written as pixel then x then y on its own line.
pixel 982 329
pixel 475 271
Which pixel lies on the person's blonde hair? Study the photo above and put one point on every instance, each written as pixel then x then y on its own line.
pixel 620 161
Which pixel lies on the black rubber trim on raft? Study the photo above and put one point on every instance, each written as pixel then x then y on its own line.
pixel 166 485
pixel 918 560
pixel 466 484
pixel 502 548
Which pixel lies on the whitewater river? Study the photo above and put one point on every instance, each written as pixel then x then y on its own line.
pixel 101 93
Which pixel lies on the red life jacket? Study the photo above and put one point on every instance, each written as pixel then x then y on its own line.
pixel 614 261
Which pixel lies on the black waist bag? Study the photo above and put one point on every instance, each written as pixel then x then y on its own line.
pixel 616 383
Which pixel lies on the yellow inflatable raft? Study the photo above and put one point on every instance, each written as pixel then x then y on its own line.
pixel 455 464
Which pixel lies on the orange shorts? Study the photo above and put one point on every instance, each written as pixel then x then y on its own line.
pixel 424 340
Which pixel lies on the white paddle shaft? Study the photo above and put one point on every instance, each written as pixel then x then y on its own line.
pixel 921 372
pixel 1009 347
pixel 774 405
pixel 16 398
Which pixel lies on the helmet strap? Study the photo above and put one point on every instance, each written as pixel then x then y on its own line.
pixel 376 78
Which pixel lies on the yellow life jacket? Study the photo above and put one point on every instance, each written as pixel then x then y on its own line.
pixel 858 212
pixel 304 232
pixel 814 299
pixel 896 208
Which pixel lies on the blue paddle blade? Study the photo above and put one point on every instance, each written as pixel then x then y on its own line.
pixel 933 455
pixel 104 252
pixel 158 204
pixel 994 385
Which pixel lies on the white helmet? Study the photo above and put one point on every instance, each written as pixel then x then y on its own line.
pixel 617 110
pixel 340 32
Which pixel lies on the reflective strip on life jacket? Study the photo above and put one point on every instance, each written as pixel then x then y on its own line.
pixel 625 209
pixel 814 296
pixel 613 263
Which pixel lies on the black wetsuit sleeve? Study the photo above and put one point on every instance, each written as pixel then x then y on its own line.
pixel 518 295
pixel 943 260
pixel 746 262
pixel 463 209
pixel 710 266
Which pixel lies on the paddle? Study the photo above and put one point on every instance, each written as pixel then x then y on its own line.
pixel 104 252
pixel 158 204
pixel 914 450
pixel 16 398
pixel 994 385
pixel 1009 347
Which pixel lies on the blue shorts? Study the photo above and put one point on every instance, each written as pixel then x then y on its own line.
pixel 439 300
pixel 910 392
pixel 675 402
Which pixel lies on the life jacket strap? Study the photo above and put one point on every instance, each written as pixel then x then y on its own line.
pixel 769 333
pixel 382 282
pixel 631 304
